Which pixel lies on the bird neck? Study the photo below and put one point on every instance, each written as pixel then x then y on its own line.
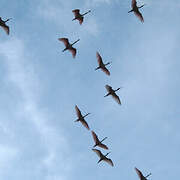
pixel 86 12
pixel 107 154
pixel 103 139
pixel 117 89
pixel 75 42
pixel 148 175
pixel 86 115
pixel 107 63
pixel 141 6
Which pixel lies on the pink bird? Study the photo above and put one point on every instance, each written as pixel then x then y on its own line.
pixel 97 141
pixel 81 117
pixel 68 46
pixel 135 9
pixel 4 26
pixel 78 16
pixel 139 173
pixel 102 66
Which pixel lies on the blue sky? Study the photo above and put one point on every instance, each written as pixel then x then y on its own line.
pixel 40 86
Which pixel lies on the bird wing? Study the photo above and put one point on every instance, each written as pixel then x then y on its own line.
pixel 98 152
pixel 99 59
pixel 105 70
pixel 65 41
pixel 73 51
pixel 116 97
pixel 108 88
pixel 102 146
pixel 139 15
pixel 109 161
pixel 76 12
pixel 95 137
pixel 6 28
pixel 84 123
pixel 139 173
pixel 133 4
pixel 78 112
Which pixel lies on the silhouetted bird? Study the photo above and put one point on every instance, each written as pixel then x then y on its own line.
pixel 139 173
pixel 102 66
pixel 112 93
pixel 79 16
pixel 4 26
pixel 135 9
pixel 69 46
pixel 98 142
pixel 81 118
pixel 103 157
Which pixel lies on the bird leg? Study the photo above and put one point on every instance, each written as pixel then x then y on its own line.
pixel 75 42
pixel 86 13
pixel 103 139
pixel 148 175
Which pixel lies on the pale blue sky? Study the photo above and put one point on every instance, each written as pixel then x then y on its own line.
pixel 40 86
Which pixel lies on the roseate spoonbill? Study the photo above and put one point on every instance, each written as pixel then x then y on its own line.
pixel 81 117
pixel 135 9
pixel 4 26
pixel 111 92
pixel 102 66
pixel 69 46
pixel 139 173
pixel 97 141
pixel 79 16
pixel 103 157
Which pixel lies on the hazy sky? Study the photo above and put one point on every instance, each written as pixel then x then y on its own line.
pixel 40 86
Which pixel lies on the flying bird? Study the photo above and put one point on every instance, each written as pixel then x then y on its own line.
pixel 139 173
pixel 102 66
pixel 111 92
pixel 97 141
pixel 4 26
pixel 103 157
pixel 81 118
pixel 135 9
pixel 69 46
pixel 78 16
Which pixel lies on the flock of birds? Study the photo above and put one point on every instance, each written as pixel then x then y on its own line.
pixel 102 66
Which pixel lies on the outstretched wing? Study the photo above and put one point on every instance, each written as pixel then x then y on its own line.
pixel 65 41
pixel 109 161
pixel 76 12
pixel 108 88
pixel 95 137
pixel 6 28
pixel 103 146
pixel 99 59
pixel 98 152
pixel 73 51
pixel 116 97
pixel 85 124
pixel 78 112
pixel 105 70
pixel 139 15
pixel 139 173
pixel 133 4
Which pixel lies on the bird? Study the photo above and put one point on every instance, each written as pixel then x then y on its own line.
pixel 78 16
pixel 103 157
pixel 81 117
pixel 4 26
pixel 98 142
pixel 135 9
pixel 69 46
pixel 139 173
pixel 111 92
pixel 102 66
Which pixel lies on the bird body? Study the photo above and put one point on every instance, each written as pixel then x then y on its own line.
pixel 4 26
pixel 69 46
pixel 103 157
pixel 136 11
pixel 81 117
pixel 98 142
pixel 111 92
pixel 78 16
pixel 141 176
pixel 102 66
